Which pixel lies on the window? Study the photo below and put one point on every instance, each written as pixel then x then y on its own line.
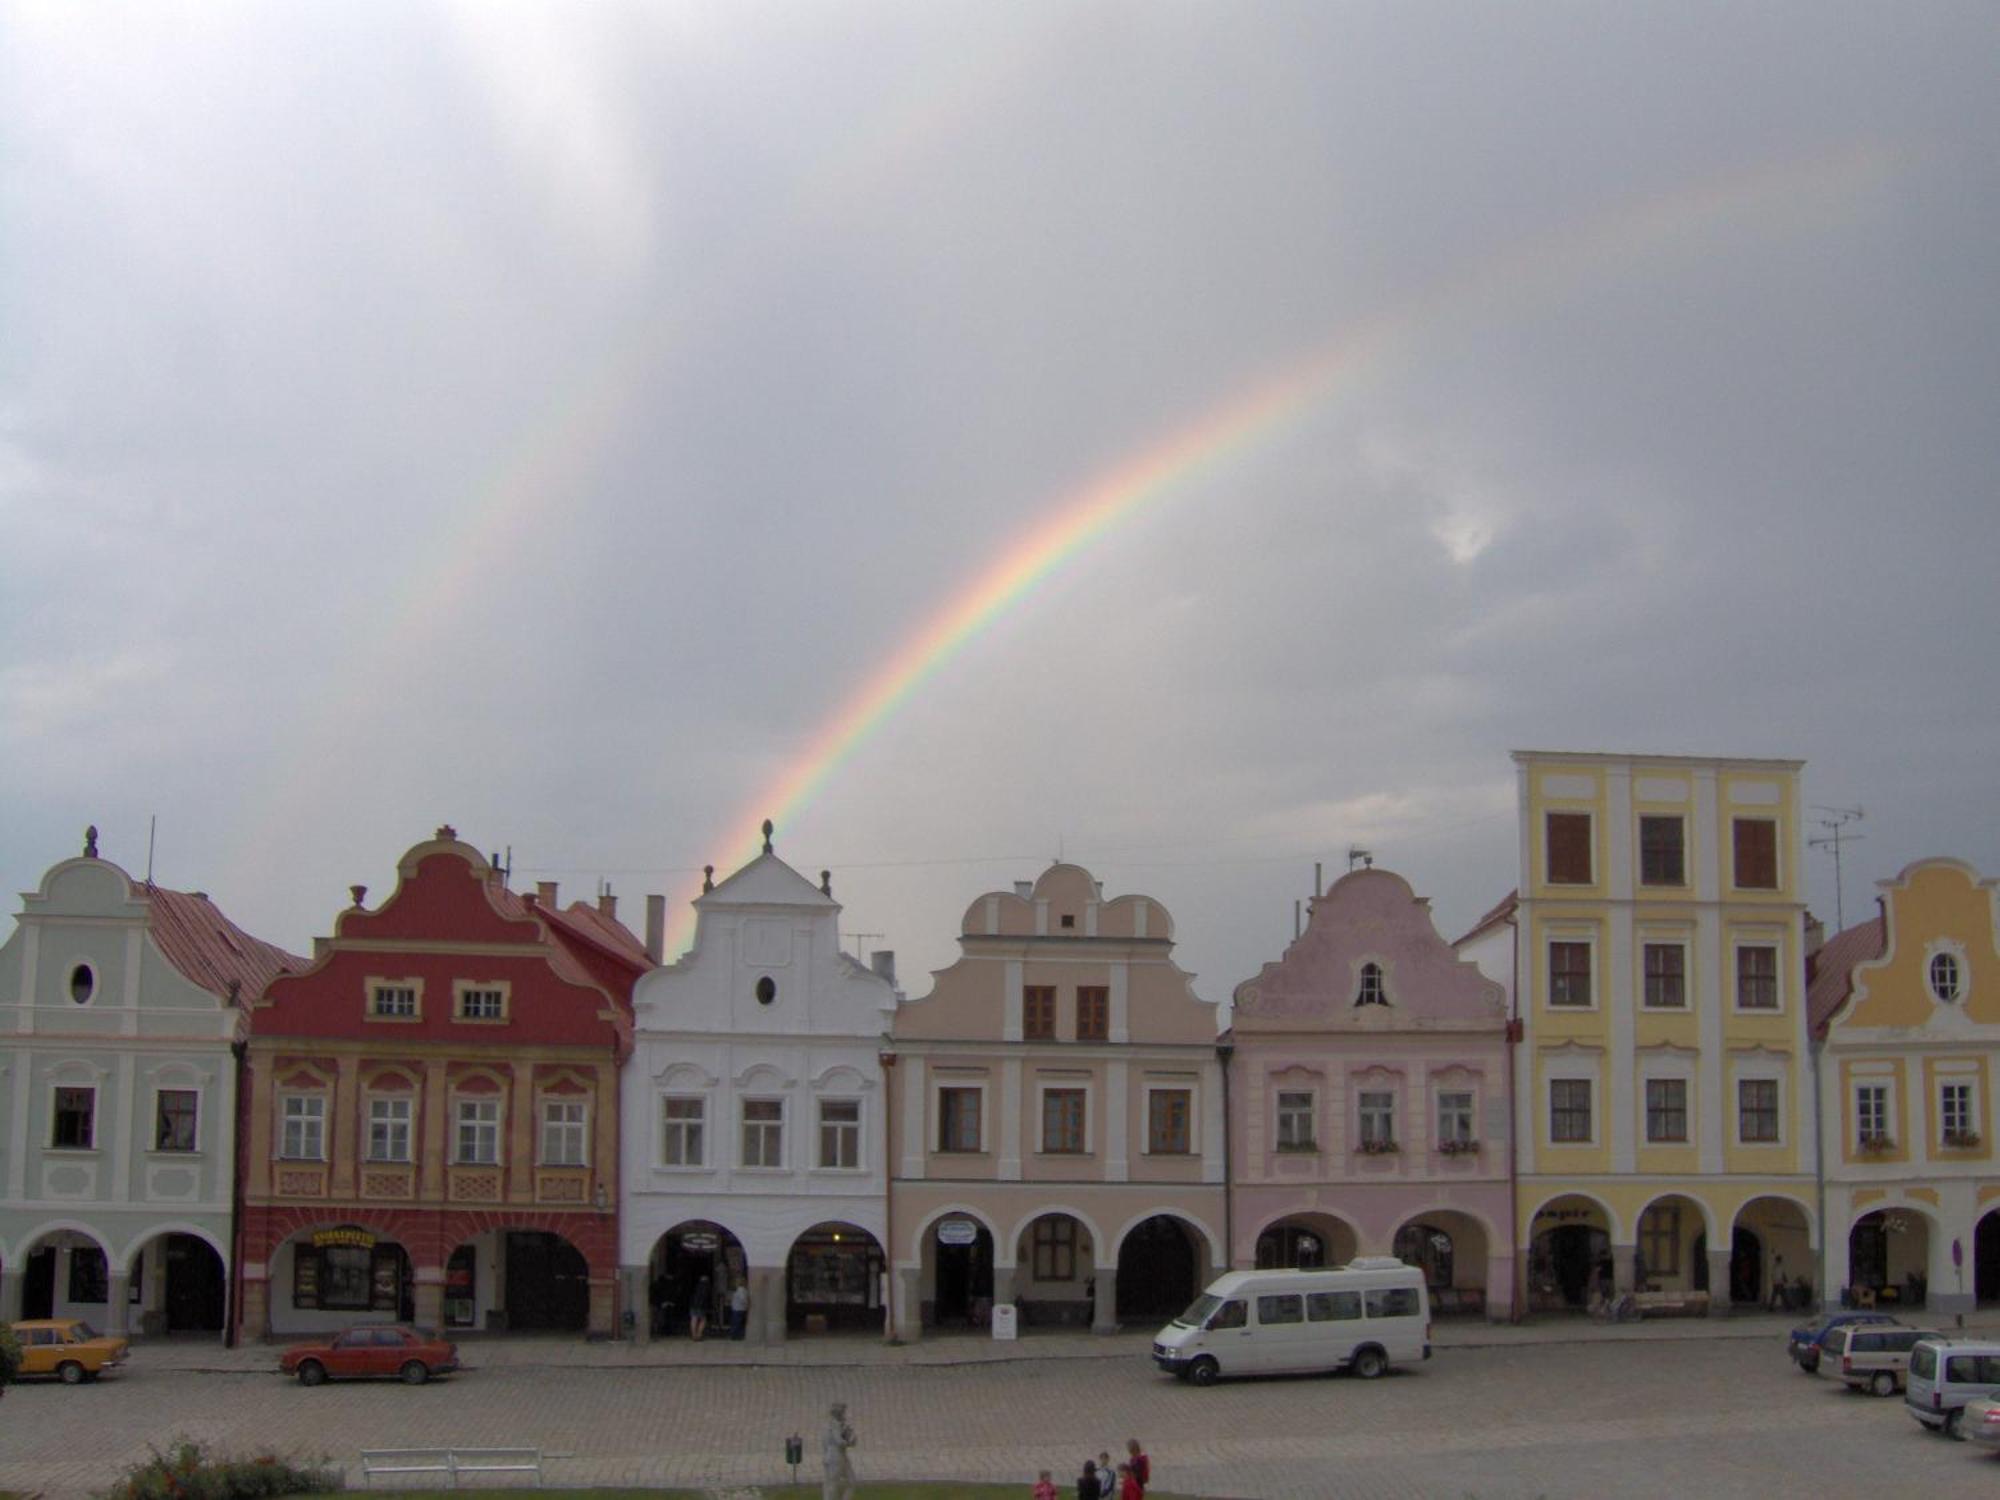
pixel 1666 976
pixel 82 984
pixel 89 1279
pixel 1062 1121
pixel 958 1119
pixel 1093 1013
pixel 1945 979
pixel 1955 1114
pixel 1756 841
pixel 1332 1307
pixel 1370 991
pixel 1756 977
pixel 681 1132
pixel 354 1278
pixel 398 1001
pixel 1569 974
pixel 1871 1113
pixel 767 990
pixel 1662 851
pixel 1167 1118
pixel 389 1129
pixel 1286 1307
pixel 1455 1117
pixel 1378 1118
pixel 303 1136
pixel 486 1003
pixel 562 1133
pixel 1569 1109
pixel 1660 1239
pixel 763 1132
pixel 1666 1110
pixel 478 1133
pixel 174 1119
pixel 1068 919
pixel 1055 1248
pixel 1391 1302
pixel 1235 1313
pixel 840 1133
pixel 75 1119
pixel 1757 1111
pixel 1038 1013
pixel 1295 1121
pixel 1569 848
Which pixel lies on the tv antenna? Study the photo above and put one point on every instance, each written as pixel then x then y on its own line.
pixel 857 939
pixel 1356 855
pixel 1835 820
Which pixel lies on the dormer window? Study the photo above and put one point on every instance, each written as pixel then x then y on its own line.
pixel 1946 978
pixel 1371 991
pixel 393 1001
pixel 1069 919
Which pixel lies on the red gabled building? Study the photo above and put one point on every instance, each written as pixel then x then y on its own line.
pixel 430 1129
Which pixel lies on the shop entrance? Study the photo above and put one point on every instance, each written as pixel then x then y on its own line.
pixel 693 1263
pixel 833 1281
pixel 548 1283
pixel 1569 1256
pixel 961 1252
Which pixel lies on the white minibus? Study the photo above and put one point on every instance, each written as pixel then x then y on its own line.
pixel 1366 1315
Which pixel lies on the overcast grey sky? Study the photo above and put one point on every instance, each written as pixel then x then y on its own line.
pixel 546 419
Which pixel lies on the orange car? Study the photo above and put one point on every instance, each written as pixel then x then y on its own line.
pixel 415 1354
pixel 67 1347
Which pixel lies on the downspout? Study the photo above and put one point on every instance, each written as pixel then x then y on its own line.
pixel 1225 1049
pixel 1814 1045
pixel 240 1051
pixel 887 1057
pixel 1514 1035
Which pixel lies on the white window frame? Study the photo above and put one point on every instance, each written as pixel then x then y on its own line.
pixel 1043 1088
pixel 317 1119
pixel 1639 852
pixel 1680 941
pixel 375 983
pixel 1666 1075
pixel 1969 1081
pixel 1955 951
pixel 1447 1133
pixel 850 1130
pixel 1752 939
pixel 200 1120
pixel 701 1122
pixel 1886 1082
pixel 1375 969
pixel 578 1129
pixel 1572 1075
pixel 96 1133
pixel 1772 1075
pixel 743 1124
pixel 408 1124
pixel 459 1121
pixel 1588 938
pixel 1385 1112
pixel 936 1123
pixel 1278 1143
pixel 462 989
pixel 1193 1119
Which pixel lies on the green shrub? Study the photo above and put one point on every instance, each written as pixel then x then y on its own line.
pixel 184 1472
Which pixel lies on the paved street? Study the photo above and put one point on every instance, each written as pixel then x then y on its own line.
pixel 1675 1415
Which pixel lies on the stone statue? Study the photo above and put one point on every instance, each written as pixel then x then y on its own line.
pixel 836 1473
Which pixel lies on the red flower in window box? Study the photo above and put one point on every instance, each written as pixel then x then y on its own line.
pixel 1458 1148
pixel 1379 1148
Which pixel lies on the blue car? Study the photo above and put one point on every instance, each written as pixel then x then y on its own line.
pixel 1806 1343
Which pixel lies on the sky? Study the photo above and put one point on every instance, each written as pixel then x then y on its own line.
pixel 600 427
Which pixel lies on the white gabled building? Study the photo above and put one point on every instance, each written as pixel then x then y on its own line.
pixel 752 1141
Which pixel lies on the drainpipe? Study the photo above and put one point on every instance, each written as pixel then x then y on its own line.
pixel 240 1051
pixel 887 1058
pixel 1225 1049
pixel 1514 1037
pixel 1814 1046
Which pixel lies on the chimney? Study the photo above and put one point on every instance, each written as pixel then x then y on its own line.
pixel 1024 889
pixel 656 928
pixel 545 892
pixel 607 904
pixel 883 962
pixel 1815 934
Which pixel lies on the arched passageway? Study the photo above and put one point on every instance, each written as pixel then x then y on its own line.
pixel 958 1267
pixel 1159 1269
pixel 1305 1242
pixel 833 1280
pixel 1569 1253
pixel 1670 1253
pixel 1986 1258
pixel 692 1268
pixel 179 1285
pixel 1771 1259
pixel 1888 1259
pixel 1055 1272
pixel 1451 1248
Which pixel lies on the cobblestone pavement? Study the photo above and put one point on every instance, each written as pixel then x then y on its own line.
pixel 1721 1416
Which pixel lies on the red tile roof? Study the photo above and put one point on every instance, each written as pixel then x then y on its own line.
pixel 212 951
pixel 1833 970
pixel 1500 912
pixel 606 932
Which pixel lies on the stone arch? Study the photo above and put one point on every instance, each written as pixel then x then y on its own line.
pixel 1568 1254
pixel 1160 1263
pixel 1887 1265
pixel 185 1281
pixel 176 1226
pixel 1216 1254
pixel 1671 1248
pixel 958 1279
pixel 1097 1241
pixel 32 1240
pixel 1765 1245
pixel 1338 1237
pixel 953 1211
pixel 1456 1270
pixel 1614 1227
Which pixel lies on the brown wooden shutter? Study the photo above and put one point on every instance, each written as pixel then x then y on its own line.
pixel 1569 848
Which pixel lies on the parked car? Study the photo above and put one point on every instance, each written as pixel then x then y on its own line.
pixel 413 1354
pixel 1980 1422
pixel 1947 1374
pixel 1807 1344
pixel 68 1348
pixel 1871 1358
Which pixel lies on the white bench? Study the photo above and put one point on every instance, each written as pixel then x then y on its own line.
pixel 450 1462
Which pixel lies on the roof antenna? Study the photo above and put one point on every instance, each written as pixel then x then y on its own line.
pixel 152 827
pixel 1356 855
pixel 1835 820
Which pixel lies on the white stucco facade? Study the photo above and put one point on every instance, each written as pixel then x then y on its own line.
pixel 753 1103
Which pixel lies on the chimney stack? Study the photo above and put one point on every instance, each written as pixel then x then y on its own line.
pixel 545 892
pixel 883 962
pixel 607 904
pixel 656 928
pixel 1024 889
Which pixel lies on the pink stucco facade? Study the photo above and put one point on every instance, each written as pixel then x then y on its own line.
pixel 1368 1106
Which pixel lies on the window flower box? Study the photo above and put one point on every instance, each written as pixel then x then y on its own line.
pixel 1877 1145
pixel 1458 1148
pixel 1379 1148
pixel 1962 1139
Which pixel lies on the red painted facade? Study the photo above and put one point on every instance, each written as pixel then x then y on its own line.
pixel 430 1127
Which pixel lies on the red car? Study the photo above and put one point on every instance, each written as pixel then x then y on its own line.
pixel 415 1354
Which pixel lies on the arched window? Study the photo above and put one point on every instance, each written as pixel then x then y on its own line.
pixel 1371 991
pixel 1944 977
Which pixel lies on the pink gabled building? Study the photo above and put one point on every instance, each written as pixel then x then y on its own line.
pixel 1369 1112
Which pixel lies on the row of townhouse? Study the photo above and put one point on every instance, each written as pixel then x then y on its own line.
pixel 478 1108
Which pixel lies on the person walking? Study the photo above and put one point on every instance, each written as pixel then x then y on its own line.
pixel 1045 1487
pixel 698 1309
pixel 1086 1482
pixel 739 1311
pixel 1142 1466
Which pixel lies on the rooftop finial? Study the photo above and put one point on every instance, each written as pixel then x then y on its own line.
pixel 767 835
pixel 708 877
pixel 90 840
pixel 358 892
pixel 446 831
pixel 826 882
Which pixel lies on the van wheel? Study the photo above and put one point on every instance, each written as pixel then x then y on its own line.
pixel 1204 1371
pixel 71 1372
pixel 1370 1363
pixel 1954 1425
pixel 1884 1384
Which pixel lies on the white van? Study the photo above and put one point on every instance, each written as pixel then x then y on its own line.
pixel 1366 1315
pixel 1944 1375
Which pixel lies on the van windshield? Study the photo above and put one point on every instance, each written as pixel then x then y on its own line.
pixel 1199 1311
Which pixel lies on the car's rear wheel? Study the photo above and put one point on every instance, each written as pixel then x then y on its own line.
pixel 1884 1384
pixel 1370 1363
pixel 312 1372
pixel 72 1373
pixel 416 1372
pixel 1204 1371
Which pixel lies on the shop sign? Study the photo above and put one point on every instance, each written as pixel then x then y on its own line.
pixel 1566 1215
pixel 957 1232
pixel 700 1239
pixel 358 1239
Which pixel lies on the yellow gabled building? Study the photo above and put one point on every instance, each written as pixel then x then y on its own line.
pixel 1908 1006
pixel 1655 949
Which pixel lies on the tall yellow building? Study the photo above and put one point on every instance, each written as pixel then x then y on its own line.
pixel 1908 1005
pixel 1655 950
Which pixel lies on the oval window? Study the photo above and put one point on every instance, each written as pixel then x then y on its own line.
pixel 767 990
pixel 82 983
pixel 1944 977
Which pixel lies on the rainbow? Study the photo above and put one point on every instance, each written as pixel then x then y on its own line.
pixel 1068 529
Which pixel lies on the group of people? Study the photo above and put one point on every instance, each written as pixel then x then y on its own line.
pixel 699 1304
pixel 1100 1481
